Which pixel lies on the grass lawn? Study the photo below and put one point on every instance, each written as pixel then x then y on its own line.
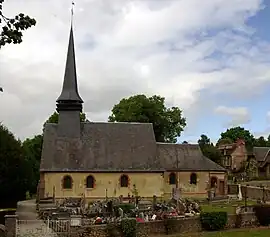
pixel 224 206
pixel 231 233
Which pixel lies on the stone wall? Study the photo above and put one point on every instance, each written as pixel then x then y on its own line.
pixel 256 192
pixel 252 192
pixel 146 229
pixel 185 225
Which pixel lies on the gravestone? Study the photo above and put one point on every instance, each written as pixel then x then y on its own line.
pixel 121 212
pixel 175 193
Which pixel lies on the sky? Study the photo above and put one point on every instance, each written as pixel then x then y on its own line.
pixel 211 58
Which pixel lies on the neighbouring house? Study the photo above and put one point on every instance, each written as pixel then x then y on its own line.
pixel 262 157
pixel 101 159
pixel 234 155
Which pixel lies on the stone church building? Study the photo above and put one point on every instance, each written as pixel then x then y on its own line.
pixel 99 159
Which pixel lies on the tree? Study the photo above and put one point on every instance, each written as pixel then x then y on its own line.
pixel 32 151
pixel 13 168
pixel 168 123
pixel 204 140
pixel 260 142
pixel 239 133
pixel 12 27
pixel 208 149
pixel 224 141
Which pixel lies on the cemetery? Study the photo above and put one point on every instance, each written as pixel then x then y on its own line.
pixel 137 216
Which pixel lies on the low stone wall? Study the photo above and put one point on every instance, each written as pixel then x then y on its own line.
pixel 252 192
pixel 186 225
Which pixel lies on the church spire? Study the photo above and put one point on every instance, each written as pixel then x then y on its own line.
pixel 69 99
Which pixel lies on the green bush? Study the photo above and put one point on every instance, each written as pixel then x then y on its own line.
pixel 213 220
pixel 126 207
pixel 129 227
pixel 262 213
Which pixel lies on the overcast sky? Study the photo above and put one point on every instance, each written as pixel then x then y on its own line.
pixel 211 58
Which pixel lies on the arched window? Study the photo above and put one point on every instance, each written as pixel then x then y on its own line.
pixel 90 182
pixel 213 182
pixel 67 182
pixel 172 178
pixel 124 180
pixel 193 178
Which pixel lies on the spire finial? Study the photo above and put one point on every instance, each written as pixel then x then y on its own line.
pixel 72 10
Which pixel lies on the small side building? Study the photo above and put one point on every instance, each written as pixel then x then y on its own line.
pixel 262 157
pixel 99 160
pixel 234 155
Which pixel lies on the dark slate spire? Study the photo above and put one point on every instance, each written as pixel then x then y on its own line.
pixel 70 100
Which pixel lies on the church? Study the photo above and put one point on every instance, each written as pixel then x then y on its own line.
pixel 102 159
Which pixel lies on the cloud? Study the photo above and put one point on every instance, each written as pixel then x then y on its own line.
pixel 237 115
pixel 177 50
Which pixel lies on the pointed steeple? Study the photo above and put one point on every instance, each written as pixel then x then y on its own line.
pixel 69 99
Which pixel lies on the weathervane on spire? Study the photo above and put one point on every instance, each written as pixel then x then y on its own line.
pixel 72 10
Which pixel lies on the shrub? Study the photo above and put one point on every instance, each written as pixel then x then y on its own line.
pixel 213 220
pixel 262 213
pixel 129 227
pixel 170 225
pixel 126 207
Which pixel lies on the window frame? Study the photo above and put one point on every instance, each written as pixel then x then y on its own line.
pixel 172 174
pixel 93 181
pixel 193 179
pixel 121 181
pixel 64 180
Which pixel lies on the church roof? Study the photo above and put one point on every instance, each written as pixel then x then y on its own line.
pixel 102 146
pixel 185 157
pixel 118 147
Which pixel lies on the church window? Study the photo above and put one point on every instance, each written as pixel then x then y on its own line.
pixel 90 182
pixel 193 178
pixel 172 178
pixel 67 182
pixel 124 180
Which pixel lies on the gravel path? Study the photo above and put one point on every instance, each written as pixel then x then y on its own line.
pixel 28 224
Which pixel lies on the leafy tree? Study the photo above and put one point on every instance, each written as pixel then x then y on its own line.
pixel 13 168
pixel 241 133
pixel 204 140
pixel 261 142
pixel 32 150
pixel 184 142
pixel 224 141
pixel 208 149
pixel 168 123
pixel 12 27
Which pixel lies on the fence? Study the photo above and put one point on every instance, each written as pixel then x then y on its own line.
pixel 40 228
